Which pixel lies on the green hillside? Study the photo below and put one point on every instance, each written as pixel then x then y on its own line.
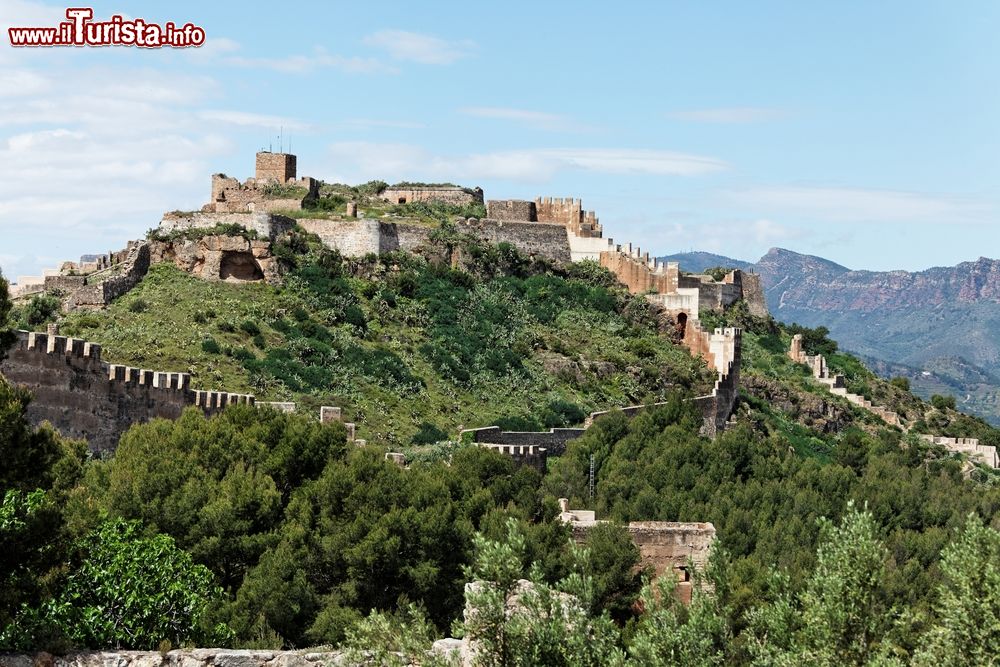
pixel 410 348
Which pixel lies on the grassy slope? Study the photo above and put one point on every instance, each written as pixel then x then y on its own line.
pixel 163 322
pixel 375 363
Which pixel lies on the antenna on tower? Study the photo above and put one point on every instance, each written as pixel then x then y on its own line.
pixel 281 145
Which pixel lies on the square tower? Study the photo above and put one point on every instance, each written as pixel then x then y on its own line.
pixel 278 167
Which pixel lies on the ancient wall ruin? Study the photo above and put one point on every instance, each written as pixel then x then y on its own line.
pixel 356 238
pixel 84 397
pixel 836 383
pixel 274 187
pixel 265 225
pixel 970 447
pixel 668 547
pixel 455 196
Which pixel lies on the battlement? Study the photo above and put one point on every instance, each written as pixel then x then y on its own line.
pixel 84 397
pixel 984 454
pixel 836 383
pixel 569 212
pixel 52 344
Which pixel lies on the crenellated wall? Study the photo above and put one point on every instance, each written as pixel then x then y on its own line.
pixel 568 212
pixel 836 383
pixel 86 398
pixel 984 454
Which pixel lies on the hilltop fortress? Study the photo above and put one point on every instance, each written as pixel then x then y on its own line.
pixel 556 229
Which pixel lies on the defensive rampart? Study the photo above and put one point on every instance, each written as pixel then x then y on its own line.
pixel 84 397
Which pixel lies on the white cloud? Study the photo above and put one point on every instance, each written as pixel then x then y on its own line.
pixel 386 160
pixel 419 48
pixel 842 204
pixel 728 115
pixel 538 119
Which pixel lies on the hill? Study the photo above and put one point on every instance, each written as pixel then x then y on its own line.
pixel 939 327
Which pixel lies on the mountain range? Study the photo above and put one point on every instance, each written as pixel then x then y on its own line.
pixel 939 327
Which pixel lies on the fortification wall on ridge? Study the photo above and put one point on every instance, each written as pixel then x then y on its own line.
pixel 86 398
pixel 455 196
pixel 266 225
pixel 356 238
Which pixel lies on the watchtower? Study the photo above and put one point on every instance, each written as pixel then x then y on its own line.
pixel 278 167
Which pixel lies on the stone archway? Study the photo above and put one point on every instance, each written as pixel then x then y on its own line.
pixel 239 266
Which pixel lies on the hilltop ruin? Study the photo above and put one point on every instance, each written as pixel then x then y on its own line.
pixel 232 239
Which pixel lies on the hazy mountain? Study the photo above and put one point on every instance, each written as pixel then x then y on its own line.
pixel 939 327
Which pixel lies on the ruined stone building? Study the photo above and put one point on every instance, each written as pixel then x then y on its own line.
pixel 273 187
pixel 670 548
pixel 557 230
pixel 448 194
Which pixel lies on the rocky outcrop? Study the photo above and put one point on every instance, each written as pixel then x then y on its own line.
pixel 228 258
pixel 808 409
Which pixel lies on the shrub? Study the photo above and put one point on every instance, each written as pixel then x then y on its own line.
pixel 901 382
pixel 211 346
pixel 428 434
pixel 249 327
pixel 943 402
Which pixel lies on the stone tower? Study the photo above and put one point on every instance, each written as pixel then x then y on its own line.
pixel 278 167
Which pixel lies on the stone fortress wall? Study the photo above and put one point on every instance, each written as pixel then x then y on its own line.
pixel 84 397
pixel 454 195
pixel 836 383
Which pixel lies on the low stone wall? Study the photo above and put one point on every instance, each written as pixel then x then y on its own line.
pixel 104 287
pixel 554 440
pixel 198 657
pixel 267 225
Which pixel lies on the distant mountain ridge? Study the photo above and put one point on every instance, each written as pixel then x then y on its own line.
pixel 939 326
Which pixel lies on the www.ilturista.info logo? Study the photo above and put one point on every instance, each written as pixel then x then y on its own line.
pixel 80 30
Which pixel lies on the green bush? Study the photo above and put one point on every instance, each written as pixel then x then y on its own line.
pixel 249 327
pixel 211 346
pixel 943 402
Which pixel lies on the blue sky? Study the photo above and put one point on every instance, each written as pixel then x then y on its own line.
pixel 863 132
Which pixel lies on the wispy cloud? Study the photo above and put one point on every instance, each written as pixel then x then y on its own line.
pixel 387 160
pixel 845 204
pixel 419 48
pixel 728 115
pixel 318 59
pixel 366 123
pixel 246 119
pixel 537 119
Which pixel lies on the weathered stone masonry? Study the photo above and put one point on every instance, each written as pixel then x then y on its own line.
pixel 84 397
